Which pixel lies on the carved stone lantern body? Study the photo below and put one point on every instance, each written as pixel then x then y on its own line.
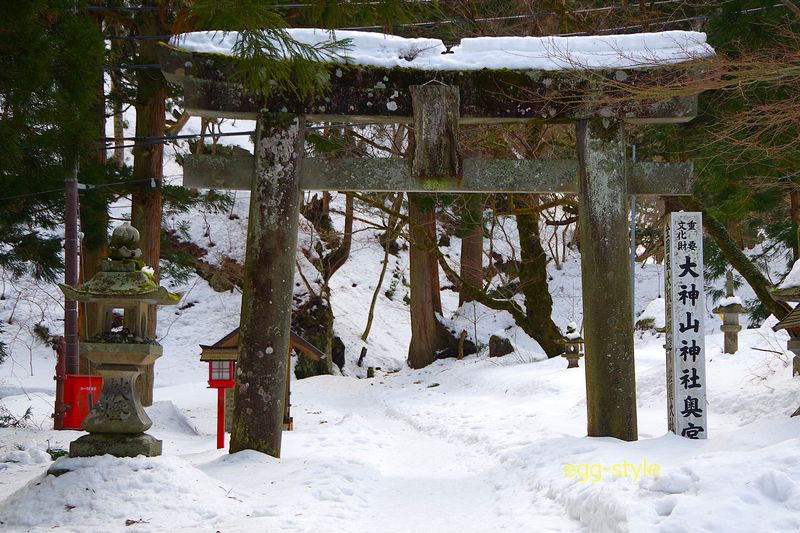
pixel 117 423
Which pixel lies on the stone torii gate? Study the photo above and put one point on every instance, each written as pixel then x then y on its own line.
pixel 277 172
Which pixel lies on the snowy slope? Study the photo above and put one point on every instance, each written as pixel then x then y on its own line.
pixel 474 445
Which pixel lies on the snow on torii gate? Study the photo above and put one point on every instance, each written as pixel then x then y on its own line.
pixel 388 79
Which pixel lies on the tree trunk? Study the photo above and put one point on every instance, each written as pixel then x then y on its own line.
pixel 268 286
pixel 436 158
pixel 606 281
pixel 471 243
pixel 427 336
pixel 761 285
pixel 148 164
pixel 533 281
pixel 115 95
pixel 338 257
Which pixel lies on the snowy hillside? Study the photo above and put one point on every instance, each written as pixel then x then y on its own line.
pixel 473 445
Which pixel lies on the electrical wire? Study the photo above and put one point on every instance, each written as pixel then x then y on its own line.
pixel 81 188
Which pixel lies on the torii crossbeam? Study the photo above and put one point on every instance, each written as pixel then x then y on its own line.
pixel 601 176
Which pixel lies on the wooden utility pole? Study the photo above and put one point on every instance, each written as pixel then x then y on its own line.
pixel 71 272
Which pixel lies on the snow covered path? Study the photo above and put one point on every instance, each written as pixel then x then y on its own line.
pixel 358 464
pixel 461 446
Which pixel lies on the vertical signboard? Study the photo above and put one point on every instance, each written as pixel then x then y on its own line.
pixel 686 368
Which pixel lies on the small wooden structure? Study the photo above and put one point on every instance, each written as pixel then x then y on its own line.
pixel 225 353
pixel 791 323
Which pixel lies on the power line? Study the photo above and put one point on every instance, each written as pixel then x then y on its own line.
pixel 137 37
pixel 152 66
pixel 176 137
pixel 552 13
pixel 665 22
pixel 81 187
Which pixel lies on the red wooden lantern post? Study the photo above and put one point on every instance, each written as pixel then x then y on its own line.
pixel 220 377
pixel 221 358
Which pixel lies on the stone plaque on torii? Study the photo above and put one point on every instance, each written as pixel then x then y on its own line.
pixel 601 176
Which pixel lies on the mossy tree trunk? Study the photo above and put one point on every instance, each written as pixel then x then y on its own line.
pixel 605 271
pixel 261 378
pixel 533 278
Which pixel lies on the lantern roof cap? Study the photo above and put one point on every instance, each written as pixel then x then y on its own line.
pixel 730 304
pixel 135 286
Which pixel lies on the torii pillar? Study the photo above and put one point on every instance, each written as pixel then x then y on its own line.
pixel 606 280
pixel 268 285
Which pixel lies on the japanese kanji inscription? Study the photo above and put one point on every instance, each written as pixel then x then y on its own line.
pixel 686 369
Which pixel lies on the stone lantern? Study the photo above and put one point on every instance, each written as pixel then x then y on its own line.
pixel 730 308
pixel 573 345
pixel 118 422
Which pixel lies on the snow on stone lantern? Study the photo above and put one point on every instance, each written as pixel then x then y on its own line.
pixel 730 308
pixel 118 422
pixel 573 345
pixel 789 291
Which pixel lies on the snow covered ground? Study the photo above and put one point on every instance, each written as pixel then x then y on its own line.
pixel 474 445
pixel 462 446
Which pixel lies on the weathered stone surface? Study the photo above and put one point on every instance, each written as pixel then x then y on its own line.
pixel 120 445
pixel 499 346
pixel 370 94
pixel 605 269
pixel 572 359
pixel 393 174
pixel 118 409
pixel 261 375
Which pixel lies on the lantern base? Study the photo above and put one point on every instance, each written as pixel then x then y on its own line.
pixel 118 445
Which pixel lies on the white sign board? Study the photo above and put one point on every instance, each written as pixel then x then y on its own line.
pixel 686 353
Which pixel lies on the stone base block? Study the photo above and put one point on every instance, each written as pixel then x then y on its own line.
pixel 121 445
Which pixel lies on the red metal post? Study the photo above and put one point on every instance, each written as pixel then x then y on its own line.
pixel 220 418
pixel 60 377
